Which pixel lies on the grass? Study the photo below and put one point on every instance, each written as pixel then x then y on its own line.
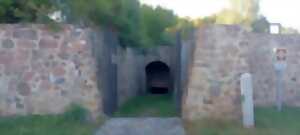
pixel 148 106
pixel 268 122
pixel 43 125
pixel 73 122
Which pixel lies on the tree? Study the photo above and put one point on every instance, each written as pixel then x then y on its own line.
pixel 261 25
pixel 228 16
pixel 130 24
pixel 14 11
pixel 242 12
pixel 289 30
pixel 248 9
pixel 156 22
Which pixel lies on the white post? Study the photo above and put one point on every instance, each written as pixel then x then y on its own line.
pixel 247 100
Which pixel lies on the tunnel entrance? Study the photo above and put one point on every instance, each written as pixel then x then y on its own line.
pixel 158 78
pixel 157 100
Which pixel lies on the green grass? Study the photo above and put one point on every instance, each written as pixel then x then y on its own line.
pixel 268 122
pixel 73 122
pixel 44 125
pixel 148 106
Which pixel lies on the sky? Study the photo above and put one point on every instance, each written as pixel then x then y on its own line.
pixel 277 11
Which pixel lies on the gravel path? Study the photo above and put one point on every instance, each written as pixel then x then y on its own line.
pixel 142 126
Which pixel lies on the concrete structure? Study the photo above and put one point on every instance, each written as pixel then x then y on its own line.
pixel 247 100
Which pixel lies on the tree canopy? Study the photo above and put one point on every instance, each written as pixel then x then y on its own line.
pixel 242 12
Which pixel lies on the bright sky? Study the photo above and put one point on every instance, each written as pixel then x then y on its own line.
pixel 277 11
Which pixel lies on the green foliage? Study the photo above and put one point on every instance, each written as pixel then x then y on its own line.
pixel 129 24
pixel 156 21
pixel 91 12
pixel 45 125
pixel 242 12
pixel 247 9
pixel 229 16
pixel 4 10
pixel 137 25
pixel 148 106
pixel 15 11
pixel 76 113
pixel 289 30
pixel 261 25
pixel 186 28
pixel 268 122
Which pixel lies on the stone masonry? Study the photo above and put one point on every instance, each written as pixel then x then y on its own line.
pixel 222 53
pixel 43 72
pixel 213 88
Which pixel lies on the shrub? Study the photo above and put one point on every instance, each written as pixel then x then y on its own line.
pixel 76 113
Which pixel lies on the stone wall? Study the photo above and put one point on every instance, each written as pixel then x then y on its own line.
pixel 260 56
pixel 43 72
pixel 213 88
pixel 221 55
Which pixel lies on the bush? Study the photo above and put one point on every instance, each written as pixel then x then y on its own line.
pixel 76 113
pixel 25 11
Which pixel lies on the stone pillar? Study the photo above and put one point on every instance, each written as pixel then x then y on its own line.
pixel 247 100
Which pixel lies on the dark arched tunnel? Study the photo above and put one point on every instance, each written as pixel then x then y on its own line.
pixel 158 78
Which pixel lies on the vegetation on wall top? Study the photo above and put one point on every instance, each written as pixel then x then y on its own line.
pixel 137 25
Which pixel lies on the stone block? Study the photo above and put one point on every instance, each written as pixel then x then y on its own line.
pixel 29 44
pixel 8 44
pixel 59 81
pixel 45 85
pixel 76 33
pixel 6 57
pixel 28 76
pixel 19 105
pixel 59 71
pixel 63 55
pixel 29 34
pixel 22 56
pixel 215 88
pixel 48 43
pixel 24 89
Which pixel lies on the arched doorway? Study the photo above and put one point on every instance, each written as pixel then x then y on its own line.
pixel 158 78
pixel 158 99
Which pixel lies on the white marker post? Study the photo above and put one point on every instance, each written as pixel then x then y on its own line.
pixel 247 100
pixel 280 66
